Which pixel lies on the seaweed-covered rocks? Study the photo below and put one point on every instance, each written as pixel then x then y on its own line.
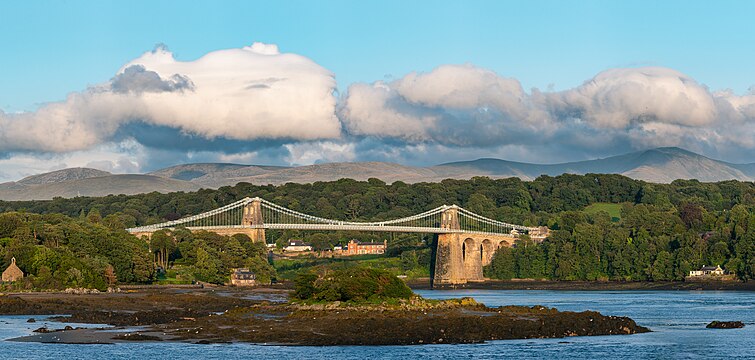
pixel 725 325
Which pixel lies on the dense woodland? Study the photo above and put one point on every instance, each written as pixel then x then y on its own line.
pixel 663 231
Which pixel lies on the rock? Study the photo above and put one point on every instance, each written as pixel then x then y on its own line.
pixel 137 337
pixel 42 330
pixel 725 325
pixel 80 291
pixel 31 320
pixel 68 327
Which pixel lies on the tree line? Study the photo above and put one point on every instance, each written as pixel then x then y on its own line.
pixel 649 243
pixel 664 230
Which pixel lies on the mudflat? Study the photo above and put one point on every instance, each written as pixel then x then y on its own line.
pixel 264 316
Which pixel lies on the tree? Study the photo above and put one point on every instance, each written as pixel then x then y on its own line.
pixel 409 260
pixel 718 253
pixel 480 204
pixel 110 276
pixel 320 242
pixel 162 244
pixel 503 266
pixel 691 214
pixel 663 267
pixel 207 267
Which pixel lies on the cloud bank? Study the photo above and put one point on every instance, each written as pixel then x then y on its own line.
pixel 619 109
pixel 240 94
pixel 257 105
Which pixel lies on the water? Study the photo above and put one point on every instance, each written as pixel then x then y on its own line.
pixel 678 319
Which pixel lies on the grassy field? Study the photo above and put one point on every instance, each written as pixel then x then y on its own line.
pixel 613 210
pixel 288 267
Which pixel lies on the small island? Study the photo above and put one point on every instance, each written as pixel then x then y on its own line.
pixel 356 306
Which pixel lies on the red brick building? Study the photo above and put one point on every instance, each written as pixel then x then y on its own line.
pixel 360 248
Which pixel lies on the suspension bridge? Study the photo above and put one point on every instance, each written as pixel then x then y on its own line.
pixel 466 241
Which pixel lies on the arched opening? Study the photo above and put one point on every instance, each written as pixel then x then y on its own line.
pixel 487 250
pixel 467 248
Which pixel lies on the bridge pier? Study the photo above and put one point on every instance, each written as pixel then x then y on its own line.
pixel 460 256
pixel 253 217
pixel 449 263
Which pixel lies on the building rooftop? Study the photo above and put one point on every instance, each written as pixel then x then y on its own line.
pixel 704 268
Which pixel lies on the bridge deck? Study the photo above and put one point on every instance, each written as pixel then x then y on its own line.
pixel 426 230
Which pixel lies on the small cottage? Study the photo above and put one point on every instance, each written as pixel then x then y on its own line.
pixel 707 271
pixel 243 277
pixel 12 273
pixel 297 246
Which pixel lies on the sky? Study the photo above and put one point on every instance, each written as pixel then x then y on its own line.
pixel 133 86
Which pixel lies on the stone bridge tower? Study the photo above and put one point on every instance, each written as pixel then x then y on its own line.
pixel 253 217
pixel 460 256
pixel 457 256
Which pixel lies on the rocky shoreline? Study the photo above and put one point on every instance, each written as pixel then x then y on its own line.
pixel 259 316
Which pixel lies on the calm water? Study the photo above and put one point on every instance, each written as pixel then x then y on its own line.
pixel 678 319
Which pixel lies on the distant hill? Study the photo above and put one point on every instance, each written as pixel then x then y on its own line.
pixel 747 169
pixel 62 175
pixel 128 184
pixel 190 172
pixel 660 165
pixel 388 172
pixel 215 175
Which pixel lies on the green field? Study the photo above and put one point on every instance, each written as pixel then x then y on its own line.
pixel 613 210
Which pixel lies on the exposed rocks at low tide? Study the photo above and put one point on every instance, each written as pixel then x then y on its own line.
pixel 216 317
pixel 725 325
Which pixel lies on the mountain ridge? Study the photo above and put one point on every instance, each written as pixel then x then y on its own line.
pixel 661 165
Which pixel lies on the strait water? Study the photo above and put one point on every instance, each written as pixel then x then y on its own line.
pixel 677 318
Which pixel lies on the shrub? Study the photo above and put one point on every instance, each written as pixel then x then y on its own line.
pixel 352 284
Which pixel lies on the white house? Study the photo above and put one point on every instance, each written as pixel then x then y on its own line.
pixel 297 246
pixel 708 271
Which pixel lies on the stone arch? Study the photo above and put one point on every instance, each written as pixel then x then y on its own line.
pixel 467 248
pixel 487 250
pixel 471 259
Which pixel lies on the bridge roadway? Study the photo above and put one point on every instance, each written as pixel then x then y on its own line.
pixel 330 227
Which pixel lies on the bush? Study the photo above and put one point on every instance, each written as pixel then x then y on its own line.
pixel 353 284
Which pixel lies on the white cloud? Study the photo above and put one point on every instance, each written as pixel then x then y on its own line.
pixel 243 94
pixel 307 153
pixel 616 111
pixel 255 105
pixel 440 106
pixel 617 98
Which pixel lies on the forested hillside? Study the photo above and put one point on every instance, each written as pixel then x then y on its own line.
pixel 663 230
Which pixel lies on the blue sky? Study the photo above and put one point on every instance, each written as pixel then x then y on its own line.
pixel 54 48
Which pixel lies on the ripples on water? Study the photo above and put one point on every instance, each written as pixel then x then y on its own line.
pixel 678 319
